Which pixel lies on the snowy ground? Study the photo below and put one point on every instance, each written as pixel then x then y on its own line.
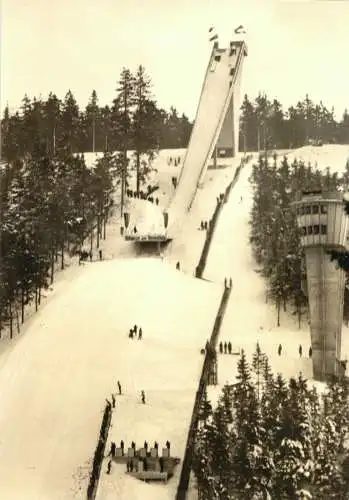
pixel 73 355
pixel 75 349
pixel 328 155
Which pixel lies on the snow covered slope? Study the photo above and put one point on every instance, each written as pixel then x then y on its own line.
pixel 248 318
pixel 54 382
pixel 334 156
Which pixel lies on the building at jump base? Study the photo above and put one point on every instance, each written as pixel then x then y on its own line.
pixel 323 226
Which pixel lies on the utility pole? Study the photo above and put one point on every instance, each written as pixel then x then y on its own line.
pixel 0 139
pixel 124 159
pixel 93 133
pixel 245 136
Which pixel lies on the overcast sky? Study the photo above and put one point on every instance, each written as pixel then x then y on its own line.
pixel 53 45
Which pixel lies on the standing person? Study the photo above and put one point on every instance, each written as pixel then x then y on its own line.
pixel 135 329
pixel 109 467
pixel 112 449
pixel 143 397
pixel 131 334
pixel 221 347
pixel 119 387
pixel 178 266
pixel 279 349
pixel 100 254
pixel 225 348
pixel 229 347
pixel 122 446
pixel 310 352
pixel 300 350
pixel 140 334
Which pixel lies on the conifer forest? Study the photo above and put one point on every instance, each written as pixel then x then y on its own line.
pixel 269 438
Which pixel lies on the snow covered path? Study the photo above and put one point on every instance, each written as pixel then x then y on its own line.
pixel 187 246
pixel 248 318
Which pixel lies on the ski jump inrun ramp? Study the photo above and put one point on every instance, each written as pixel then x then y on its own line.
pixel 216 128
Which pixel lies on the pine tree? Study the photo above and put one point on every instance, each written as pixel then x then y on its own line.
pixel 294 458
pixel 248 126
pixel 337 407
pixel 245 404
pixel 226 404
pixel 92 115
pixel 70 119
pixel 123 106
pixel 205 410
pixel 145 139
pixel 258 363
pixel 52 112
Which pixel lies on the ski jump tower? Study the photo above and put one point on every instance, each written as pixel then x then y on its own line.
pixel 323 225
pixel 215 133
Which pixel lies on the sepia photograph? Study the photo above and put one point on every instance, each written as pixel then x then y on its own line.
pixel 174 250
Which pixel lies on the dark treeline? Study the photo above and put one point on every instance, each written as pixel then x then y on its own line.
pixel 265 125
pixel 60 123
pixel 271 439
pixel 274 235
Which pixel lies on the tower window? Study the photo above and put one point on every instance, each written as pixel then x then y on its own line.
pixel 315 209
pixel 323 209
pixel 316 229
pixel 217 58
pixel 323 229
pixel 308 209
pixel 303 231
pixel 310 229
